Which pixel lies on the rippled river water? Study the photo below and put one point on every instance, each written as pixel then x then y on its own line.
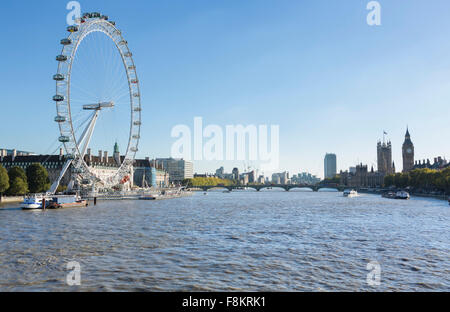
pixel 249 241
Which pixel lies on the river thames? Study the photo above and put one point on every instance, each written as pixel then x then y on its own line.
pixel 238 241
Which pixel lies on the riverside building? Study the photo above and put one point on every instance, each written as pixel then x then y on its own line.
pixel 330 165
pixel 178 168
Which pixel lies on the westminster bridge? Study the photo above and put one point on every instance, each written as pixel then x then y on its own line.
pixel 259 187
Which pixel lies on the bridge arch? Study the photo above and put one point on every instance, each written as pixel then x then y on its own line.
pixel 327 189
pixel 266 188
pixel 301 189
pixel 216 188
pixel 247 188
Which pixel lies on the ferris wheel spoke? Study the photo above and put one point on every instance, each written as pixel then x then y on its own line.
pixel 88 94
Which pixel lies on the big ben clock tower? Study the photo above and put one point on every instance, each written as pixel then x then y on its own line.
pixel 408 153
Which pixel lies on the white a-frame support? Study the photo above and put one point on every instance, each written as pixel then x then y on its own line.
pixel 83 141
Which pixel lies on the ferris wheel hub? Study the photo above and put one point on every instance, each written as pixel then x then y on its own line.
pixel 98 106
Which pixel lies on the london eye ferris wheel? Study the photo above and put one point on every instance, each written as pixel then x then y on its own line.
pixel 98 101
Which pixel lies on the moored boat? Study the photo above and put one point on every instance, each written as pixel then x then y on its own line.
pixel 66 201
pixel 32 202
pixel 147 197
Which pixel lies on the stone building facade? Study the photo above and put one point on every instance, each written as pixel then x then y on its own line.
pixel 384 158
pixel 361 177
pixel 53 163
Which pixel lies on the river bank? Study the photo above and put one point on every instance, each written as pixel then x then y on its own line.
pixel 149 196
pixel 10 199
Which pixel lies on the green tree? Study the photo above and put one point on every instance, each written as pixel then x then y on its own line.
pixel 18 187
pixel 13 173
pixel 200 181
pixel 17 172
pixel 61 188
pixel 389 180
pixel 4 180
pixel 426 179
pixel 334 180
pixel 38 180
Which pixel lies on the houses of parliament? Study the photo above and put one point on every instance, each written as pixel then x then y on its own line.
pixel 360 176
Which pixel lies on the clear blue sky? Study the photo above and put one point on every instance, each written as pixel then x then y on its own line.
pixel 330 81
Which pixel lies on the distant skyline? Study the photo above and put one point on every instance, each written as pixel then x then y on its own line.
pixel 315 68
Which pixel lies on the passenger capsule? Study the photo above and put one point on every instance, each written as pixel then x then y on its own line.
pixel 72 28
pixel 60 118
pixel 61 58
pixel 136 94
pixel 136 136
pixel 134 149
pixel 63 139
pixel 105 17
pixel 137 109
pixel 137 123
pixel 87 15
pixel 95 15
pixel 122 42
pixel 134 81
pixel 58 98
pixel 132 67
pixel 66 41
pixel 58 77
pixel 112 23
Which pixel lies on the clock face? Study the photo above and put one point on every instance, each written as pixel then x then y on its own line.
pixel 409 150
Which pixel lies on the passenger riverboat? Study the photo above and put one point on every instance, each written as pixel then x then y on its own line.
pixel 389 194
pixel 396 195
pixel 402 195
pixel 350 193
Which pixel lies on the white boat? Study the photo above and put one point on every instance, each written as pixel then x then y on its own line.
pixel 350 193
pixel 32 202
pixel 402 195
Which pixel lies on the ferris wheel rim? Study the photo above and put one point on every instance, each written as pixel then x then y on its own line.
pixel 84 30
